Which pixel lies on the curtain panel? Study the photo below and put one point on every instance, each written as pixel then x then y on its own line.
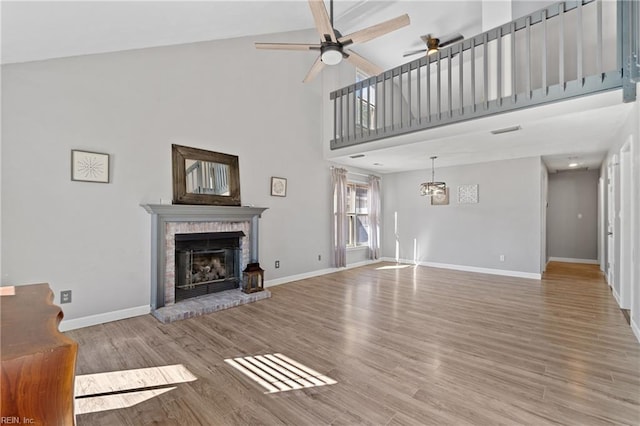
pixel 374 217
pixel 339 231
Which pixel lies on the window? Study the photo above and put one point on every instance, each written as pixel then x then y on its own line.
pixel 357 214
pixel 365 104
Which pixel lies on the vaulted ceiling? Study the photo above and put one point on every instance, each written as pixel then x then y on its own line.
pixel 34 31
pixel 49 29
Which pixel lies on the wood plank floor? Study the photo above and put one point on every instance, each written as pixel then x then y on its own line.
pixel 411 345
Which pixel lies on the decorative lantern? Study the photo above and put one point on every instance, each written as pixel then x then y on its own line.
pixel 253 278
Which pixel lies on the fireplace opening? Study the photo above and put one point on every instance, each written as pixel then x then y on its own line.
pixel 207 262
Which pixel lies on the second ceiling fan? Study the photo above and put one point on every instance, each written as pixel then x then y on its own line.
pixel 332 42
pixel 435 43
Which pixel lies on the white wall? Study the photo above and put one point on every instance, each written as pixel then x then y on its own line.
pixel 225 96
pixel 629 129
pixel 505 221
pixel 572 221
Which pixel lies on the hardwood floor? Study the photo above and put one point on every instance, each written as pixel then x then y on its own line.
pixel 413 345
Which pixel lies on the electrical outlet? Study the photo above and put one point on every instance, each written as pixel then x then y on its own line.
pixel 277 264
pixel 319 258
pixel 502 258
pixel 65 296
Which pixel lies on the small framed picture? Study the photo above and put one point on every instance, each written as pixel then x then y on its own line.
pixel 278 187
pixel 468 194
pixel 89 166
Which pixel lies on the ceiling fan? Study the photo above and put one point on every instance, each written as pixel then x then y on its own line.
pixel 435 43
pixel 332 42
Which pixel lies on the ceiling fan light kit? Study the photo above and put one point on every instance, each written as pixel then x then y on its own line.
pixel 332 42
pixel 331 55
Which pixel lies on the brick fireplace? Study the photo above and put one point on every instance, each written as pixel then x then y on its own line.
pixel 167 221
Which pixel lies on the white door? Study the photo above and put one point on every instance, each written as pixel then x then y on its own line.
pixel 611 220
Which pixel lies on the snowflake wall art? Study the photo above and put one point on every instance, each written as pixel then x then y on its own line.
pixel 467 194
pixel 89 166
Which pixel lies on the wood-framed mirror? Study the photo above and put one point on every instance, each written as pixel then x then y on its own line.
pixel 205 177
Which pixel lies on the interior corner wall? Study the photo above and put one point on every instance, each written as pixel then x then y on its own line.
pixel 505 221
pixel 544 209
pixel 572 220
pixel 224 96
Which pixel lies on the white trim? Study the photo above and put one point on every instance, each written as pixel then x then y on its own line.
pixel 72 324
pixel 615 295
pixel 572 260
pixel 504 272
pixel 303 276
pixel 636 329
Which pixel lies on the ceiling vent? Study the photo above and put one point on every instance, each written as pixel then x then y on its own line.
pixel 506 130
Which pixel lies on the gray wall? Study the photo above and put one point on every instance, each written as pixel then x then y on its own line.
pixel 94 239
pixel 505 221
pixel 572 220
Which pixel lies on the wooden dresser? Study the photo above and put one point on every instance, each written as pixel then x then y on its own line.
pixel 38 362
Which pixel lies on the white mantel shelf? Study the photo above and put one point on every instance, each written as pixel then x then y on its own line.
pixel 231 212
pixel 161 214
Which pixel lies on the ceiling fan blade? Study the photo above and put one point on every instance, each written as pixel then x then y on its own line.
pixel 426 38
pixel 374 31
pixel 317 66
pixel 287 46
pixel 321 19
pixel 364 64
pixel 450 39
pixel 413 52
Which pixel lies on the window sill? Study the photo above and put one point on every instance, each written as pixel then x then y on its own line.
pixel 355 248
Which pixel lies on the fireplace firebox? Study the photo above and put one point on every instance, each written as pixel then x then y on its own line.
pixel 207 262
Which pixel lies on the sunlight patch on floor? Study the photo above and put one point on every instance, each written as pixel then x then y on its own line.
pixel 278 373
pixel 394 267
pixel 126 388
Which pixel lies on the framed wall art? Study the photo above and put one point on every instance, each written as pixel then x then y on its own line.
pixel 468 194
pixel 278 187
pixel 89 166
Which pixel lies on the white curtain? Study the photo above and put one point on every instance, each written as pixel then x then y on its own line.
pixel 374 217
pixel 339 231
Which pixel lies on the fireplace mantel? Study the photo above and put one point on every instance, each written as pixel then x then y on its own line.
pixel 161 214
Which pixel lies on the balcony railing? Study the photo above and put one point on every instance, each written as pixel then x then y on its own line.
pixel 565 50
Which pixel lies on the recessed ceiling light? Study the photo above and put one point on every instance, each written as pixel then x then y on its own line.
pixel 506 130
pixel 356 156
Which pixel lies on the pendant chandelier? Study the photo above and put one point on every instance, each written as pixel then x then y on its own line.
pixel 433 188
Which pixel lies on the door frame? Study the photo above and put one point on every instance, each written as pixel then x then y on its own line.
pixel 626 215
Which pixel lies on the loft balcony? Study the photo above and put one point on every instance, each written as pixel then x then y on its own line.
pixel 566 50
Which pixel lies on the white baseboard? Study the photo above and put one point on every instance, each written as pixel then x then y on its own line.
pixel 572 260
pixel 504 272
pixel 636 329
pixel 72 324
pixel 616 295
pixel 298 277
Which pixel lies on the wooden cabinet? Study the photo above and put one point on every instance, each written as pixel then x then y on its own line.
pixel 38 362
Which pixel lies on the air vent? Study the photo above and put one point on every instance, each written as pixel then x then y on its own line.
pixel 506 130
